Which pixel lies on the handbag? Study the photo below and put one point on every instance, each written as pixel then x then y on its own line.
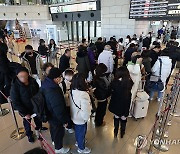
pixel 155 83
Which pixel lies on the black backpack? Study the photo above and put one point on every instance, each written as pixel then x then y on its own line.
pixel 40 108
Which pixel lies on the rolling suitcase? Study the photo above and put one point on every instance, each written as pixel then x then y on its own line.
pixel 141 103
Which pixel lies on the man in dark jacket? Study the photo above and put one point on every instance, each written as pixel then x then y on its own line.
pixel 99 46
pixel 56 106
pixel 155 53
pixel 128 53
pixel 23 89
pixel 65 60
pixel 146 42
pixel 83 65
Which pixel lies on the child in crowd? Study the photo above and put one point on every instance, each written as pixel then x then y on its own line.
pixel 68 75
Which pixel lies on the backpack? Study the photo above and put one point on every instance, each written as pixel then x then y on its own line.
pixel 39 106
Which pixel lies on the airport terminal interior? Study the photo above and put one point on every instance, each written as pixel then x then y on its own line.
pixel 89 76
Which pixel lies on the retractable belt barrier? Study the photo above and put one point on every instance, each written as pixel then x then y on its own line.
pixel 161 121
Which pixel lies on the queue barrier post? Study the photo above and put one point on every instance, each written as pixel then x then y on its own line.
pixel 3 112
pixel 18 133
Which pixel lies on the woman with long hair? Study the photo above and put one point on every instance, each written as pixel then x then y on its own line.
pixel 80 110
pixel 52 51
pixel 121 99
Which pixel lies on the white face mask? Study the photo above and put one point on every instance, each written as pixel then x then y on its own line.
pixel 68 78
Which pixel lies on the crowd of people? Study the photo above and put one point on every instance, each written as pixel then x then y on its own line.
pixel 70 94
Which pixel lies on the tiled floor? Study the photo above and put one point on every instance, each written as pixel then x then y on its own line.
pixel 100 139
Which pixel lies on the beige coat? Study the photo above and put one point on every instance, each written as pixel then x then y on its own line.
pixel 39 64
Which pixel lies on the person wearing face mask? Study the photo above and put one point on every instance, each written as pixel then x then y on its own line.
pixel 68 75
pixel 24 87
pixel 56 105
pixel 32 61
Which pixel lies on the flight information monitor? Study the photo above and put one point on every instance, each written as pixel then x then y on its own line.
pixel 154 9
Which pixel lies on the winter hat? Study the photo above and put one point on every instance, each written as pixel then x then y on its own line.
pixel 54 73
pixel 21 69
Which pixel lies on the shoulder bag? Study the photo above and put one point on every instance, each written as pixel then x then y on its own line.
pixel 155 83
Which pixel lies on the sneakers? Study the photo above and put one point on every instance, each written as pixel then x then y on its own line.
pixel 31 139
pixel 62 150
pixel 76 144
pixel 70 131
pixel 159 99
pixel 86 150
pixel 151 99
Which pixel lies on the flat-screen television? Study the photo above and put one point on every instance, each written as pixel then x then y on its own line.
pixel 154 9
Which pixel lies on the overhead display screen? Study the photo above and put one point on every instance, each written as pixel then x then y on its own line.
pixel 151 9
pixel 73 7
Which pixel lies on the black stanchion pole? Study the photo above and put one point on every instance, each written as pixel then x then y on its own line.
pixel 18 133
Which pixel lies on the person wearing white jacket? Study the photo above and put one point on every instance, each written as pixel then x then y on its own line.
pixel 80 110
pixel 165 72
pixel 134 68
pixel 106 58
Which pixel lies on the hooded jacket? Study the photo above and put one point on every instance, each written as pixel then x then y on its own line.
pixel 80 99
pixel 39 64
pixel 106 58
pixel 166 68
pixel 21 95
pixel 55 102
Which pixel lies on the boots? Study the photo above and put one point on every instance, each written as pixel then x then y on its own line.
pixel 123 127
pixel 116 127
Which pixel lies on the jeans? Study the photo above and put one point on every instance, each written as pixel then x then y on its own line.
pixel 57 134
pixel 27 125
pixel 160 94
pixel 80 133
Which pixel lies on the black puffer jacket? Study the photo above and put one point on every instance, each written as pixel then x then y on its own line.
pixel 43 50
pixel 55 102
pixel 102 90
pixel 82 60
pixel 21 95
pixel 121 97
pixel 64 63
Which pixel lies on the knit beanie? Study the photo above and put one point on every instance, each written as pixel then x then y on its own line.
pixel 21 69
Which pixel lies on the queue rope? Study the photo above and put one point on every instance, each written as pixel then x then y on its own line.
pixel 151 130
pixel 41 139
pixel 140 145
